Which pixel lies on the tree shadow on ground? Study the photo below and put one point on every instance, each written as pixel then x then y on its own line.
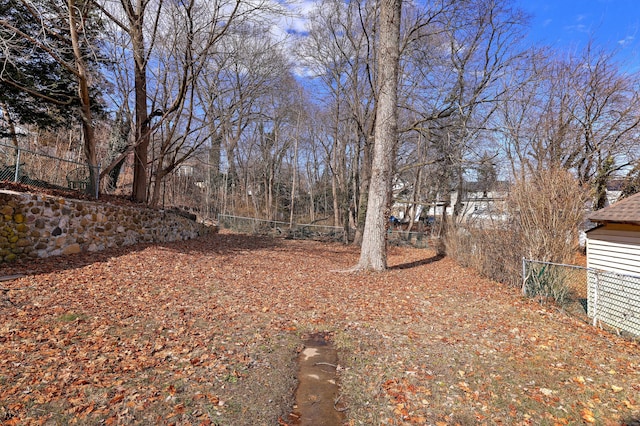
pixel 630 421
pixel 223 243
pixel 214 244
pixel 416 263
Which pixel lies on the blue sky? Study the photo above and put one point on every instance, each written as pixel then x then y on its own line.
pixel 562 24
pixel 568 24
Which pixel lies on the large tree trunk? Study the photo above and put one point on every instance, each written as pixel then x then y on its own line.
pixel 373 254
pixel 88 131
pixel 142 136
pixel 142 132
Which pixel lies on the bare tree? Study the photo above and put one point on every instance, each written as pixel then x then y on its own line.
pixel 519 117
pixel 578 113
pixel 457 84
pixel 177 66
pixel 607 116
pixel 144 24
pixel 82 75
pixel 247 64
pixel 131 18
pixel 274 133
pixel 339 52
pixel 373 254
pixel 68 46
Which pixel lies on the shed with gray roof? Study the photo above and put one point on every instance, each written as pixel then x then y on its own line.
pixel 614 245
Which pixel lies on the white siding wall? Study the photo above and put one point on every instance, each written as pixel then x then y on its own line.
pixel 615 248
pixel 614 299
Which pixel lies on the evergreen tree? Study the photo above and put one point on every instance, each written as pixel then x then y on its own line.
pixel 487 175
pixel 631 183
pixel 37 80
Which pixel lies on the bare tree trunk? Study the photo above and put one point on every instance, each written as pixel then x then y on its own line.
pixel 335 196
pixel 294 179
pixel 293 185
pixel 364 179
pixel 312 207
pixel 214 177
pixel 12 127
pixel 142 133
pixel 373 254
pixel 335 192
pixel 88 130
pixel 271 207
pixel 158 179
pixel 414 200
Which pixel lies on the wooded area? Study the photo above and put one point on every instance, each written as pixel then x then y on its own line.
pixel 209 105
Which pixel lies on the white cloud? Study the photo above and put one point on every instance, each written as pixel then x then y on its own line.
pixel 293 23
pixel 627 40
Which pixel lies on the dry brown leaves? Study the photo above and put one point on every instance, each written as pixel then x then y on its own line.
pixel 120 200
pixel 206 331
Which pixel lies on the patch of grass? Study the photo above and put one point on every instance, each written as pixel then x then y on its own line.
pixel 72 316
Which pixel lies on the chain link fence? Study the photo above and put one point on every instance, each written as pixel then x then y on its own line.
pixel 314 232
pixel 605 297
pixel 614 299
pixel 560 283
pixel 42 170
pixel 405 238
pixel 282 229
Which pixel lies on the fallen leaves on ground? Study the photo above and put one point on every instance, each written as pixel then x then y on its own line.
pixel 207 331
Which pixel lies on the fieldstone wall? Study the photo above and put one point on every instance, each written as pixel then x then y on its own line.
pixel 33 225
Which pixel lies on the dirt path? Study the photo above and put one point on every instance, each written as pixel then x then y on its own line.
pixel 317 394
pixel 208 331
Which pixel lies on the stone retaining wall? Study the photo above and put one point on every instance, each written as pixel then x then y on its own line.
pixel 34 225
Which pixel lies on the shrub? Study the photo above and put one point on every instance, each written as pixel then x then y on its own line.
pixel 547 282
pixel 544 213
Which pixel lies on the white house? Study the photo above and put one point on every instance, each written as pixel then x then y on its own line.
pixel 614 245
pixel 475 204
pixel 613 256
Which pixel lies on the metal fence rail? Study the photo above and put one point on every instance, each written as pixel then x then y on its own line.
pixel 275 228
pixel 413 239
pixel 42 170
pixel 316 232
pixel 610 298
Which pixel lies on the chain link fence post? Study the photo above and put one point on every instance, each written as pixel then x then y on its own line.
pixel 524 276
pixel 595 297
pixel 16 174
pixel 97 181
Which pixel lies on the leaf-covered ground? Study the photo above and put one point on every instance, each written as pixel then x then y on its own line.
pixel 207 332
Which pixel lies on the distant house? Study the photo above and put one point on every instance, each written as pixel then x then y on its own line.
pixel 185 170
pixel 614 245
pixel 475 204
pixel 481 205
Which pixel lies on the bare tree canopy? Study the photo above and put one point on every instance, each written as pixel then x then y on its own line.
pixel 212 105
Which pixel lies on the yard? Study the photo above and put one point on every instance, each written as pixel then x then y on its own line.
pixel 207 332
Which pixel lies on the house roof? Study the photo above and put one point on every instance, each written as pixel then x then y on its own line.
pixel 626 210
